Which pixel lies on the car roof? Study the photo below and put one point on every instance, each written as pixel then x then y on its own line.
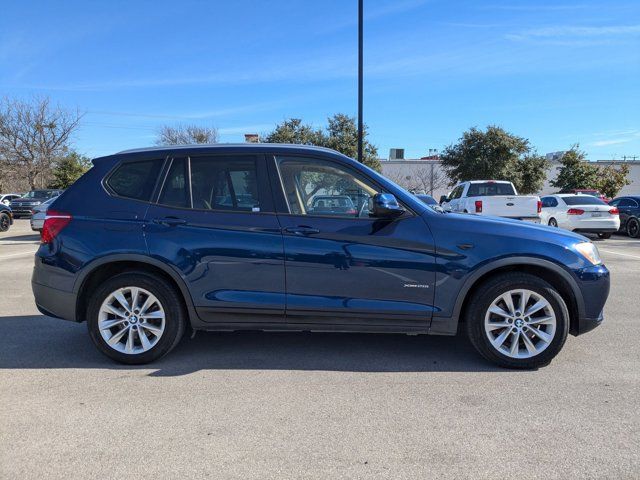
pixel 487 181
pixel 562 195
pixel 257 147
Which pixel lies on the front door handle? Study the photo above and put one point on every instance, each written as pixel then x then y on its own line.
pixel 301 230
pixel 170 221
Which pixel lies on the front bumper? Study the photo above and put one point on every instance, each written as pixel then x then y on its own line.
pixel 594 283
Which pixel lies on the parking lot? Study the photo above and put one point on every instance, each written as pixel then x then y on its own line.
pixel 297 405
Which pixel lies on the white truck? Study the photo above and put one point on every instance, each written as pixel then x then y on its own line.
pixel 492 197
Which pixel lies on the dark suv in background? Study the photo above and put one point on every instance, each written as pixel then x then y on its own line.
pixel 23 206
pixel 285 237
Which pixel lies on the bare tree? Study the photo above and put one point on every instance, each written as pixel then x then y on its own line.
pixel 33 134
pixel 186 135
pixel 426 178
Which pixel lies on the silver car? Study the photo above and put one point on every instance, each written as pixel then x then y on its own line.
pixel 39 212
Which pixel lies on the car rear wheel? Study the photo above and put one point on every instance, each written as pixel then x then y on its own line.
pixel 633 228
pixel 517 320
pixel 553 222
pixel 136 318
pixel 5 222
pixel 604 236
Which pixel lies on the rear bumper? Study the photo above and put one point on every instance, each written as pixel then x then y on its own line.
pixel 596 230
pixel 54 303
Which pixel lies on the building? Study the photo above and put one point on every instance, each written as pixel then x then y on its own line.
pixel 428 176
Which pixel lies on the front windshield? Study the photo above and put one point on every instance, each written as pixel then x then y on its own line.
pixel 41 194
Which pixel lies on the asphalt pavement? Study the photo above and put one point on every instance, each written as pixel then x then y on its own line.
pixel 311 405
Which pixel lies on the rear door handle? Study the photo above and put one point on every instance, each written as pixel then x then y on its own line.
pixel 170 221
pixel 301 230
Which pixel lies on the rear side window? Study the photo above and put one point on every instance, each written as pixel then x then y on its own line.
pixel 490 189
pixel 225 183
pixel 135 179
pixel 549 202
pixel 583 200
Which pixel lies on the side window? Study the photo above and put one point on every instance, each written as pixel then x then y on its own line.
pixel 549 202
pixel 457 192
pixel 135 179
pixel 627 202
pixel 318 187
pixel 174 191
pixel 225 183
pixel 615 203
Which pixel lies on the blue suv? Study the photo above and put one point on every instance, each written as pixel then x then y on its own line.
pixel 289 237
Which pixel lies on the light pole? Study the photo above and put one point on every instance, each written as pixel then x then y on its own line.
pixel 360 123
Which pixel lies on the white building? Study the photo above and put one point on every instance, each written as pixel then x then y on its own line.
pixel 428 175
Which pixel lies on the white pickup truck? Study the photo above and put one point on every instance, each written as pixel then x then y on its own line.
pixel 492 197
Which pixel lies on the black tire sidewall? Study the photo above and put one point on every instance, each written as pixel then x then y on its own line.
pixel 496 286
pixel 4 217
pixel 554 224
pixel 637 223
pixel 175 317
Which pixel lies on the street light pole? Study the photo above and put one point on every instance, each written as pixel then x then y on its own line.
pixel 360 123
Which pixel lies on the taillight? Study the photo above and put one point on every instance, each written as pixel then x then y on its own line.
pixel 478 206
pixel 539 206
pixel 54 222
pixel 614 211
pixel 575 211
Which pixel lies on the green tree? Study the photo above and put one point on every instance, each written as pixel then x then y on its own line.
pixel 341 134
pixel 611 180
pixel 495 154
pixel 68 169
pixel 575 171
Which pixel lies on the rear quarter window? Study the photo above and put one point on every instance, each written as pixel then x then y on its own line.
pixel 135 180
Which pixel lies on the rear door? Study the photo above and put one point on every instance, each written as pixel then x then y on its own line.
pixel 342 266
pixel 214 222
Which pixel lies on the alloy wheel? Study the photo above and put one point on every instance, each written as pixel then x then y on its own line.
pixel 520 323
pixel 633 228
pixel 131 320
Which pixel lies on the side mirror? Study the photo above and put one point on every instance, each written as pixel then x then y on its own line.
pixel 443 199
pixel 385 205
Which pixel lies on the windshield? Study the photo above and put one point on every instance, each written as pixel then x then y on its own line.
pixel 41 194
pixel 490 189
pixel 583 200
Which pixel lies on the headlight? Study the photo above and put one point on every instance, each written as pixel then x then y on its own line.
pixel 589 251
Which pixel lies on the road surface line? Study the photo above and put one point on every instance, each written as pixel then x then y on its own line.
pixel 17 255
pixel 622 254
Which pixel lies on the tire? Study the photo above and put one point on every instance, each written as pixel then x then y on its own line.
pixel 633 228
pixel 5 222
pixel 604 236
pixel 553 222
pixel 166 313
pixel 480 323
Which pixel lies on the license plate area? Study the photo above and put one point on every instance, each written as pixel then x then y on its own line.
pixel 597 214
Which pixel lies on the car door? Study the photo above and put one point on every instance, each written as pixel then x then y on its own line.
pixel 627 208
pixel 342 266
pixel 213 221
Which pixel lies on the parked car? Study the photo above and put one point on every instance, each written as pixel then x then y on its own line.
pixel 429 200
pixel 492 197
pixel 588 191
pixel 332 204
pixel 139 248
pixel 23 206
pixel 39 213
pixel 580 213
pixel 6 217
pixel 6 198
pixel 629 208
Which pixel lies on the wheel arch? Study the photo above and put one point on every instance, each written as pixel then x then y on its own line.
pixel 111 265
pixel 552 273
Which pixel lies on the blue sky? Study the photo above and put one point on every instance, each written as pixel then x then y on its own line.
pixel 556 72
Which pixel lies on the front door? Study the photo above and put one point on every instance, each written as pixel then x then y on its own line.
pixel 214 222
pixel 342 266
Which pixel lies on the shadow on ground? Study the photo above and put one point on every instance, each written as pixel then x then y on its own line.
pixel 35 342
pixel 21 238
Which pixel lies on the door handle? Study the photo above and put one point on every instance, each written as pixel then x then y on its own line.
pixel 170 221
pixel 301 230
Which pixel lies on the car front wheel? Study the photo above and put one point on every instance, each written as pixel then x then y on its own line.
pixel 633 228
pixel 517 320
pixel 5 222
pixel 135 318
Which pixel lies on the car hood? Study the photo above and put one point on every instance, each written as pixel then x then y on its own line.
pixel 517 227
